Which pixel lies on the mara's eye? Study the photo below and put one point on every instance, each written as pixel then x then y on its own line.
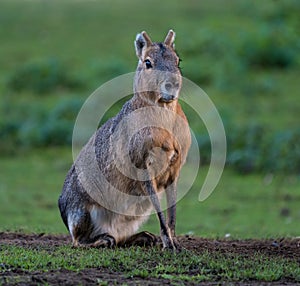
pixel 148 64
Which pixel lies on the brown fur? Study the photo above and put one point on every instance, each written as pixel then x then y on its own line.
pixel 102 206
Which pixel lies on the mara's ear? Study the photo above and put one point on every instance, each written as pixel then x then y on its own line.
pixel 170 38
pixel 142 41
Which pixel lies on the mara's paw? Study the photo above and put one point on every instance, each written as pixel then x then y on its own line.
pixel 144 239
pixel 169 247
pixel 171 244
pixel 177 244
pixel 104 240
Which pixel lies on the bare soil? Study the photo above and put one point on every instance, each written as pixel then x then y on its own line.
pixel 286 248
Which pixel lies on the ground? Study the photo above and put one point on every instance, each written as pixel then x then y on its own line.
pixel 285 248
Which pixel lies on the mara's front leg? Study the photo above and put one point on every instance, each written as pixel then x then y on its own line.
pixel 171 195
pixel 165 232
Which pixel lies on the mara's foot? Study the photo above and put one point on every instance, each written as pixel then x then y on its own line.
pixel 171 244
pixel 143 238
pixel 103 240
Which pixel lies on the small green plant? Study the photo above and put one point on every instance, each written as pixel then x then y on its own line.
pixel 50 128
pixel 42 77
pixel 283 152
pixel 102 70
pixel 244 148
pixel 8 137
pixel 57 129
pixel 270 46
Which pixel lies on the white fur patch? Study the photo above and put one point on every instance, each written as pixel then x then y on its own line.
pixel 118 225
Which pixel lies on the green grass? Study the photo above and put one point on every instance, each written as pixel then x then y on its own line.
pixel 29 190
pixel 135 262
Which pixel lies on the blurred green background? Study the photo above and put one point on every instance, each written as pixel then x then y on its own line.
pixel 244 54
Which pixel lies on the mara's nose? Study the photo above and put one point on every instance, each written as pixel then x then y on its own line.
pixel 169 87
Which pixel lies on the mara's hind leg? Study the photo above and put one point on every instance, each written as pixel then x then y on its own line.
pixel 143 238
pixel 82 231
pixel 80 227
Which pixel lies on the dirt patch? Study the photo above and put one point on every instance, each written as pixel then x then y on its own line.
pixel 69 278
pixel 286 248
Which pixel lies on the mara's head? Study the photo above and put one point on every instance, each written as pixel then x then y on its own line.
pixel 158 76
